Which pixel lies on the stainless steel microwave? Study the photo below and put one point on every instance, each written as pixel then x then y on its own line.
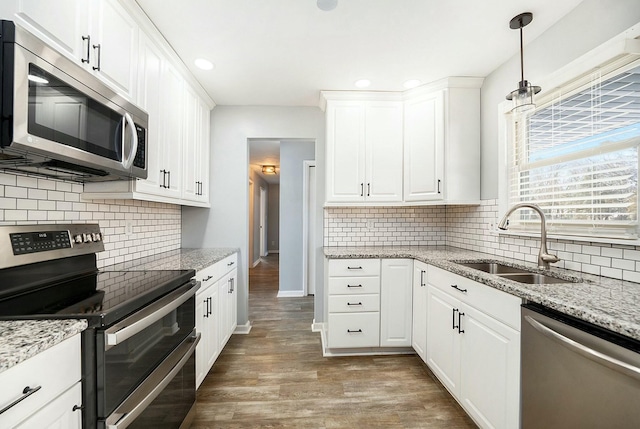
pixel 59 120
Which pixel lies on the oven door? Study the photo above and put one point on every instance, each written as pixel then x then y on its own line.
pixel 130 351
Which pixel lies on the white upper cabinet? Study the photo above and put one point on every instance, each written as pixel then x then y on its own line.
pixel 442 142
pixel 114 45
pixel 424 147
pixel 364 149
pixel 196 148
pixel 99 35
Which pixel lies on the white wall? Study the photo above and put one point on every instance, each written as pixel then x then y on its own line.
pixel 226 223
pixel 589 25
pixel 292 155
pixel 273 221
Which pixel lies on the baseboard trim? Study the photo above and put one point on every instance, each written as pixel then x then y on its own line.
pixel 255 264
pixel 317 326
pixel 290 294
pixel 243 329
pixel 274 251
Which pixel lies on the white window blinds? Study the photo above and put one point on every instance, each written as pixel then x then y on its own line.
pixel 576 156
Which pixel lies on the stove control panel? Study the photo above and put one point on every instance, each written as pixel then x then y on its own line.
pixel 26 244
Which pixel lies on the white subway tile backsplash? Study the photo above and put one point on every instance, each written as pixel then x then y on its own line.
pixel 472 227
pixel 156 226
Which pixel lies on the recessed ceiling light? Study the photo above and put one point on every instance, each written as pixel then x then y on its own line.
pixel 203 64
pixel 412 83
pixel 362 83
pixel 327 5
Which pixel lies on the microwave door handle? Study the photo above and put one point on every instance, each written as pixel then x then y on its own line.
pixel 128 161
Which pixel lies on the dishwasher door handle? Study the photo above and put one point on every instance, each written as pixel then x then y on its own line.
pixel 587 352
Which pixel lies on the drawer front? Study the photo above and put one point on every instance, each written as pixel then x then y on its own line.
pixel 54 370
pixel 354 267
pixel 354 330
pixel 228 263
pixel 208 276
pixel 496 303
pixel 354 303
pixel 354 285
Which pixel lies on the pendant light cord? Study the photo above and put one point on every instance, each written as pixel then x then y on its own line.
pixel 521 55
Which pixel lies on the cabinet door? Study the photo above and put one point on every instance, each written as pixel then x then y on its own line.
pixel 191 145
pixel 149 93
pixel 419 317
pixel 490 370
pixel 223 312
pixel 117 34
pixel 171 138
pixel 383 148
pixel 202 326
pixel 204 139
pixel 62 26
pixel 345 152
pixel 59 413
pixel 233 301
pixel 395 303
pixel 424 148
pixel 443 338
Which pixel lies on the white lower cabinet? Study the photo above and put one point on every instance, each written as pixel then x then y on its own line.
pixel 419 313
pixel 473 346
pixel 369 303
pixel 54 378
pixel 216 312
pixel 395 302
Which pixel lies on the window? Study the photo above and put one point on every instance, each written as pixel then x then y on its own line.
pixel 576 156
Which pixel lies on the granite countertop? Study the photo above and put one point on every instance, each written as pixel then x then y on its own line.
pixel 22 339
pixel 610 303
pixel 180 259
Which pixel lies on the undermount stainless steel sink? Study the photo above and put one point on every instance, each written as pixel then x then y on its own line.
pixel 521 275
pixel 493 267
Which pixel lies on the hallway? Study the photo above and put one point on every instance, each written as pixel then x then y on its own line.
pixel 276 377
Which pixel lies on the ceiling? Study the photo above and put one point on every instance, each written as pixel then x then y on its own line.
pixel 283 52
pixel 265 152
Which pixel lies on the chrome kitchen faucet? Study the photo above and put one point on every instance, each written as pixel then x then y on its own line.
pixel 544 257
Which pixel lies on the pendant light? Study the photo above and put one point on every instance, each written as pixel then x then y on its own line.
pixel 523 96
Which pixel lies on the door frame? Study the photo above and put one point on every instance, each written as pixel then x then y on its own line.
pixel 263 222
pixel 307 228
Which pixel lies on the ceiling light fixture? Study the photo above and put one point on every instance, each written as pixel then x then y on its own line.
pixel 203 64
pixel 523 96
pixel 269 169
pixel 362 83
pixel 412 83
pixel 327 5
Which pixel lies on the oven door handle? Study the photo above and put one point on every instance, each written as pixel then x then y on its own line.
pixel 126 413
pixel 149 315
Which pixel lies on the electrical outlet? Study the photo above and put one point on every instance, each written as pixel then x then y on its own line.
pixel 128 227
pixel 370 224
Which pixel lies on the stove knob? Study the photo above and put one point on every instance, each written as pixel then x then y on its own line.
pixel 96 236
pixel 77 238
pixel 87 238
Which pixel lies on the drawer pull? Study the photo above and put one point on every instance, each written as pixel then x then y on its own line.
pixel 26 392
pixel 352 332
pixel 77 407
pixel 457 288
pixel 354 268
pixel 354 303
pixel 354 285
pixel 230 264
pixel 207 279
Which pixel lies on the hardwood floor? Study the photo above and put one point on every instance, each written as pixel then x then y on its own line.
pixel 276 377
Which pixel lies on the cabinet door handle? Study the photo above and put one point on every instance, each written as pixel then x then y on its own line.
pixel 459 289
pixel 26 392
pixel 164 175
pixel 352 332
pixel 169 184
pixel 354 303
pixel 460 314
pixel 206 308
pixel 354 268
pixel 97 48
pixel 354 285
pixel 88 39
pixel 368 189
pixel 453 319
pixel 362 189
pixel 439 186
pixel 210 305
pixel 422 273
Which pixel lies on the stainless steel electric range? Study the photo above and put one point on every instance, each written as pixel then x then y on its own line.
pixel 138 362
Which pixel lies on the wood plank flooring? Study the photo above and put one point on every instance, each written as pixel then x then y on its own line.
pixel 276 377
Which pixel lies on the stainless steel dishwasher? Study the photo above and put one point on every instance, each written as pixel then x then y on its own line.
pixel 575 374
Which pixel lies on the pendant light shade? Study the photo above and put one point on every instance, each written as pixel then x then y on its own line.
pixel 523 96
